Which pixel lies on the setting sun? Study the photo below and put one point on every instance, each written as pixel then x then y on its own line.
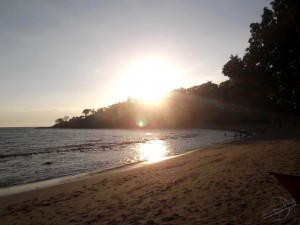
pixel 150 79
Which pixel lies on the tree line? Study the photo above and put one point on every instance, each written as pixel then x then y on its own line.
pixel 263 85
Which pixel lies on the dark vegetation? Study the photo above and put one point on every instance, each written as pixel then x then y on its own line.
pixel 263 85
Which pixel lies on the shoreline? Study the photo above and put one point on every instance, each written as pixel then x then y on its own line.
pixel 25 187
pixel 7 190
pixel 225 183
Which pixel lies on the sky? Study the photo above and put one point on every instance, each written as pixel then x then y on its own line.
pixel 59 57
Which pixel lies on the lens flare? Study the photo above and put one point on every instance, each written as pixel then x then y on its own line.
pixel 141 123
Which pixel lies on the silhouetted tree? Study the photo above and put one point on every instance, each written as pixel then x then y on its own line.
pixel 271 64
pixel 65 118
pixel 59 120
pixel 234 67
pixel 86 112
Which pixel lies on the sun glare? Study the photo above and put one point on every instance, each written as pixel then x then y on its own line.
pixel 150 79
pixel 153 151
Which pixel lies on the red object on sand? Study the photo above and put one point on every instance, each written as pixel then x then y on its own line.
pixel 291 183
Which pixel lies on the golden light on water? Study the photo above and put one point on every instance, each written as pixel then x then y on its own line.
pixel 153 151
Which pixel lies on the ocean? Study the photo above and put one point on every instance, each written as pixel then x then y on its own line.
pixel 30 155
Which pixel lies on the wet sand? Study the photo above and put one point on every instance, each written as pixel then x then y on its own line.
pixel 224 184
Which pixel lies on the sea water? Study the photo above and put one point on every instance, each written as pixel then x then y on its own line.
pixel 30 155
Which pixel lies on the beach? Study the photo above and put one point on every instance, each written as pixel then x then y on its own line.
pixel 224 184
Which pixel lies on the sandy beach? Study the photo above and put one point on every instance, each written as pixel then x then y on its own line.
pixel 224 184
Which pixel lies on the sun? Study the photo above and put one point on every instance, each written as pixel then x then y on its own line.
pixel 150 79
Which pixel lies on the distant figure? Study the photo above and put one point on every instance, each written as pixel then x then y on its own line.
pixel 240 134
pixel 225 135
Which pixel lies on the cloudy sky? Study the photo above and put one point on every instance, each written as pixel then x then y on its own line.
pixel 59 57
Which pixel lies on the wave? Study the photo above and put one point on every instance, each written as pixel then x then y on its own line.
pixel 96 146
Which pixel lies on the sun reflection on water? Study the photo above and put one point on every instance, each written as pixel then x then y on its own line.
pixel 153 151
